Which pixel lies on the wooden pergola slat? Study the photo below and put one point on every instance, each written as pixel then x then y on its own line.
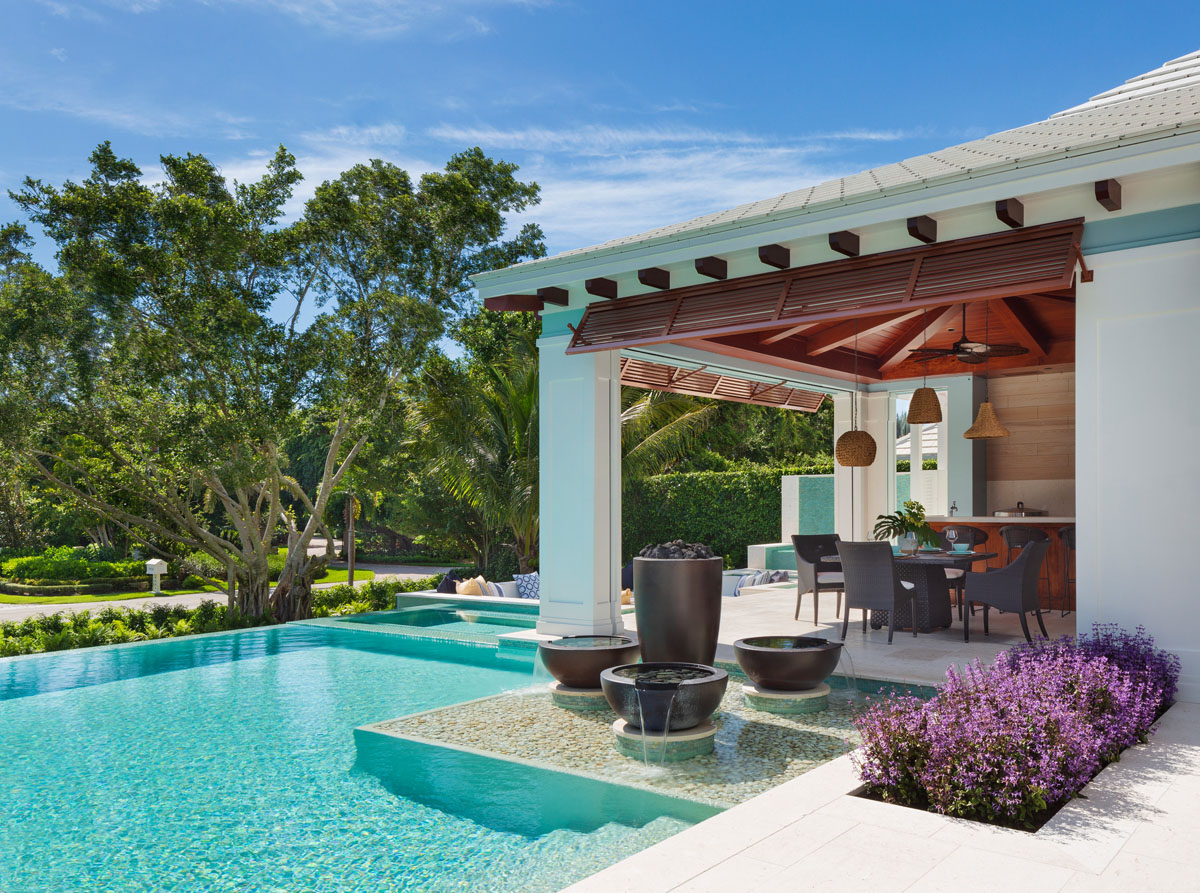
pixel 1008 264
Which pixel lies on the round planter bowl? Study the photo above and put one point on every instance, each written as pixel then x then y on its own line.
pixel 677 602
pixel 576 661
pixel 699 693
pixel 787 663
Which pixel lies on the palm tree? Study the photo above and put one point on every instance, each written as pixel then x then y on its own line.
pixel 482 440
pixel 658 429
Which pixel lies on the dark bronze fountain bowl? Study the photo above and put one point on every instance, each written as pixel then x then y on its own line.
pixel 682 694
pixel 576 661
pixel 787 663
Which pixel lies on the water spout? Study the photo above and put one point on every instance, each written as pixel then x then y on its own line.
pixel 846 670
pixel 655 695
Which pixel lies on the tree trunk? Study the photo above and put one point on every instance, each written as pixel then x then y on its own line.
pixel 292 598
pixel 253 598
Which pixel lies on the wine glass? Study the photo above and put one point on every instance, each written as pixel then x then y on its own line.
pixel 951 537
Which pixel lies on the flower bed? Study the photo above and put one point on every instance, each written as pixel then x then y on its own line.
pixel 1011 742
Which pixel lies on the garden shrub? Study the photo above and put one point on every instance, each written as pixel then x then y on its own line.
pixel 1009 742
pixel 203 566
pixel 66 563
pixel 372 596
pixel 58 632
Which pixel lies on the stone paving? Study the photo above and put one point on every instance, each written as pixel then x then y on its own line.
pixel 754 750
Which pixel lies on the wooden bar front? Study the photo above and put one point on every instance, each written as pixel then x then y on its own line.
pixel 1056 558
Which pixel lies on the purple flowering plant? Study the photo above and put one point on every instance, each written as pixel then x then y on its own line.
pixel 1008 742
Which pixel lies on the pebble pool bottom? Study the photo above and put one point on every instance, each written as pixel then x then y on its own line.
pixel 230 762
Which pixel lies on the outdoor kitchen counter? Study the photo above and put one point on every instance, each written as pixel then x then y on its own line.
pixel 981 520
pixel 1056 559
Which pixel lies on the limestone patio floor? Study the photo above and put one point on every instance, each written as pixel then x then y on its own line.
pixel 1131 828
pixel 769 610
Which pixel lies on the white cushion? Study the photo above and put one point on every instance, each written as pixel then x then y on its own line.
pixel 831 577
pixel 509 589
pixel 953 573
pixel 908 585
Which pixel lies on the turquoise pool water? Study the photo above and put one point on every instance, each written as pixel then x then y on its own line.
pixel 451 618
pixel 230 763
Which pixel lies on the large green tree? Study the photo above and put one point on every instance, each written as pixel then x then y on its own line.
pixel 190 331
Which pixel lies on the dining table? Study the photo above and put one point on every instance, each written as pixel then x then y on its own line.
pixel 926 570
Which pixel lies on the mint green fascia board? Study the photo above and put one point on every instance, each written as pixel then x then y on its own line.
pixel 1138 230
pixel 554 324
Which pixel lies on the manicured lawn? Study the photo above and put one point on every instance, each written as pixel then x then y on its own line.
pixel 335 575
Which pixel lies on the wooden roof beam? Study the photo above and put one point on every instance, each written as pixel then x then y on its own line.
pixel 844 242
pixel 788 332
pixel 923 228
pixel 712 267
pixel 915 335
pixel 1010 212
pixel 1022 326
pixel 513 303
pixel 1108 193
pixel 775 256
pixel 844 333
pixel 554 295
pixel 655 277
pixel 601 288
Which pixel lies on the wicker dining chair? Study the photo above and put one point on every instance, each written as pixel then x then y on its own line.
pixel 873 584
pixel 972 536
pixel 1013 587
pixel 814 575
pixel 1017 537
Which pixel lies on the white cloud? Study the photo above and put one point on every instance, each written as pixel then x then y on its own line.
pixel 349 135
pixel 589 139
pixel 59 53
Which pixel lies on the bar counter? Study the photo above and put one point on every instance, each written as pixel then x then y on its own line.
pixel 1056 558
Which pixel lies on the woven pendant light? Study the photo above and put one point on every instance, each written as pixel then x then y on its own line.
pixel 924 408
pixel 855 449
pixel 987 424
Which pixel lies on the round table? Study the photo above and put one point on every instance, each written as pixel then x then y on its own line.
pixel 927 572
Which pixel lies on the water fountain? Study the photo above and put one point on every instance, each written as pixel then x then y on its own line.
pixel 576 661
pixel 788 673
pixel 672 699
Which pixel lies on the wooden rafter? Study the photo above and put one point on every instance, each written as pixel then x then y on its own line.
pixel 601 288
pixel 775 256
pixel 914 335
pixel 1021 325
pixel 788 332
pixel 554 295
pixel 712 267
pixel 844 333
pixel 923 228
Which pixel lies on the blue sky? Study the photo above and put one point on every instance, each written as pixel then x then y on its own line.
pixel 629 115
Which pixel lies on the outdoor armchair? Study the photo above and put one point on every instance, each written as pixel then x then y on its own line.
pixel 814 575
pixel 1013 587
pixel 873 584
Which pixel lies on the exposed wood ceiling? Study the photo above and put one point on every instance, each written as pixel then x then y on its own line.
pixel 1043 324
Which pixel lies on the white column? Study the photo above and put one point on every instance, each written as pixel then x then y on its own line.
pixel 1137 327
pixel 580 491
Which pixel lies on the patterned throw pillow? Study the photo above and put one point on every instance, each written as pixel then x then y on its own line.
pixel 528 585
pixel 447 586
pixel 494 590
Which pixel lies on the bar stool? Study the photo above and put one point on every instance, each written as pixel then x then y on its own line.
pixel 1067 536
pixel 974 537
pixel 1016 537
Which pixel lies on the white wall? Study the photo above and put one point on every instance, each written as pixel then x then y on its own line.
pixel 1137 444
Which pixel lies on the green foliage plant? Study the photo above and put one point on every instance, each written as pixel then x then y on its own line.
pixel 909 519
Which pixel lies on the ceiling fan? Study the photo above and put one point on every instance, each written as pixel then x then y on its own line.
pixel 967 351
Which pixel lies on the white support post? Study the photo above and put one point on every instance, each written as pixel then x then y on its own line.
pixel 862 493
pixel 580 491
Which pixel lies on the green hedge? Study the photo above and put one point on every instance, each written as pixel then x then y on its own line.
pixel 67 564
pixel 80 587
pixel 727 510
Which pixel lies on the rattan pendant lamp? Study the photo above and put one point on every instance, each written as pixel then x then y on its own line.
pixel 924 408
pixel 987 425
pixel 855 449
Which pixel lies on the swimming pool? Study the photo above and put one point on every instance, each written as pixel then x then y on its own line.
pixel 229 762
pixel 451 618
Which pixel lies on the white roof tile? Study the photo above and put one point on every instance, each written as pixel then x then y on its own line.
pixel 1164 99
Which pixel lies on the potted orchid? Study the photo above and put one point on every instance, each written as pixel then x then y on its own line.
pixel 908 526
